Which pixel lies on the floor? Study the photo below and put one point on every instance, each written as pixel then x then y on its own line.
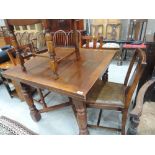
pixel 62 122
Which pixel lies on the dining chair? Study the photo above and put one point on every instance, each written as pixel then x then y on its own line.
pixel 143 114
pixel 113 31
pixel 60 38
pixel 24 38
pixel 18 36
pixel 115 96
pixel 91 42
pixel 97 30
pixel 41 42
pixel 70 38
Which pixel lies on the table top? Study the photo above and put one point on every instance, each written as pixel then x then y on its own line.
pixel 6 65
pixel 76 78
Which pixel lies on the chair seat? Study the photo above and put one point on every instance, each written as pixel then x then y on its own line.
pixel 107 94
pixel 111 45
pixel 147 120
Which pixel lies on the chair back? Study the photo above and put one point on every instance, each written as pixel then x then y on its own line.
pixel 23 49
pixel 97 30
pixel 24 39
pixel 70 38
pixel 41 43
pixel 137 29
pixel 91 42
pixel 113 31
pixel 131 81
pixel 60 38
pixel 18 37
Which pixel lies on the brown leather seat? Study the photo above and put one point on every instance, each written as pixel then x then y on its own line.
pixel 108 93
pixel 114 96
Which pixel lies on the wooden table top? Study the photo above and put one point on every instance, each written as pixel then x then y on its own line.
pixel 6 65
pixel 75 77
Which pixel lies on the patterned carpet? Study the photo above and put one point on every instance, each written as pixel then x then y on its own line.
pixel 11 127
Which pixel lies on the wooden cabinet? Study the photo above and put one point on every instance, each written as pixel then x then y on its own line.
pixel 64 24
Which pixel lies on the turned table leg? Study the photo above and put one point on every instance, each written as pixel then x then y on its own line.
pixel 35 115
pixel 81 116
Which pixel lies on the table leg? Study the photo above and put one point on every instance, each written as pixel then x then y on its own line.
pixel 81 116
pixel 35 115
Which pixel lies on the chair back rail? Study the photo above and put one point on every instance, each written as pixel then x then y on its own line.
pixel 91 39
pixel 132 83
pixel 113 31
pixel 41 43
pixel 70 38
pixel 97 30
pixel 60 38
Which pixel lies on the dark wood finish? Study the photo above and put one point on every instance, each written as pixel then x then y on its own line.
pixel 81 116
pixel 91 39
pixel 73 78
pixel 35 115
pixel 96 41
pixel 137 111
pixel 112 96
pixel 22 22
pixel 64 24
pixel 137 29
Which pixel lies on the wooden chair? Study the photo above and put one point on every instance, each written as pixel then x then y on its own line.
pixel 137 29
pixel 51 55
pixel 60 38
pixel 18 37
pixel 114 96
pixel 97 30
pixel 143 114
pixel 91 42
pixel 24 39
pixel 113 31
pixel 70 38
pixel 41 42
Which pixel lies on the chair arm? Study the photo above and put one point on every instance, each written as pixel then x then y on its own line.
pixel 137 111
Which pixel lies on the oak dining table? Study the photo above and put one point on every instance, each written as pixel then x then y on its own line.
pixel 76 78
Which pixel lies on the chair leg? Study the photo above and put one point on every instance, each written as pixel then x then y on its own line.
pixel 99 117
pixel 124 119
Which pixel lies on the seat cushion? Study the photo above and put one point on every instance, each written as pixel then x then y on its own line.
pixel 111 45
pixel 108 93
pixel 147 120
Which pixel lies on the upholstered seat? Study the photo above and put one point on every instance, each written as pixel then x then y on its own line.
pixel 111 45
pixel 115 96
pixel 108 93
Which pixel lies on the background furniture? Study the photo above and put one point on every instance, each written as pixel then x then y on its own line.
pixel 97 30
pixel 143 115
pixel 64 24
pixel 113 31
pixel 73 81
pixel 60 38
pixel 114 96
pixel 137 29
